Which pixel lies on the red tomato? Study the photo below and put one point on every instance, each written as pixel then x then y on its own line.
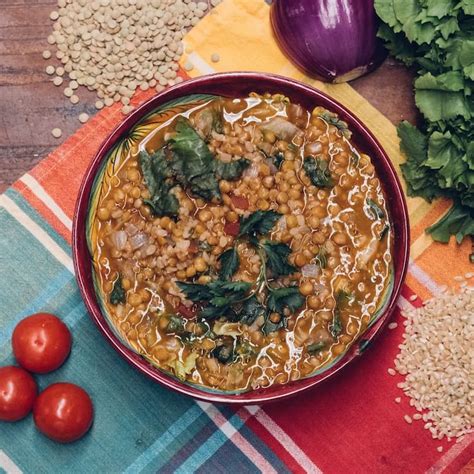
pixel 231 228
pixel 63 412
pixel 240 201
pixel 41 343
pixel 17 393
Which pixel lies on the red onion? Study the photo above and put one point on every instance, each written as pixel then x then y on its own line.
pixel 334 40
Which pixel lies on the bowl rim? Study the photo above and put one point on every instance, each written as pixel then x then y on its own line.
pixel 83 266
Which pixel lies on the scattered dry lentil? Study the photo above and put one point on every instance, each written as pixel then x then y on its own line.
pixel 74 99
pixel 392 325
pixel 56 132
pixel 83 118
pixel 215 58
pixel 114 46
pixel 58 80
pixel 50 70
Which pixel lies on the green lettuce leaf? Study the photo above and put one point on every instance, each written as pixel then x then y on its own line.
pixel 437 38
pixel 458 221
pixel 421 181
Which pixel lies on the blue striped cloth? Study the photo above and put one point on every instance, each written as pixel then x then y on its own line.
pixel 139 426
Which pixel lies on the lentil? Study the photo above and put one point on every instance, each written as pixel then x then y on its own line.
pixel 56 132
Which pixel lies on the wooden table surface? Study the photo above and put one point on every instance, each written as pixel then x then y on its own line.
pixel 31 106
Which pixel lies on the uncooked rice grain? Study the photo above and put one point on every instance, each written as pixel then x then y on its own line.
pixel 436 356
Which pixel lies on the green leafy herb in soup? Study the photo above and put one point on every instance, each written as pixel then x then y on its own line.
pixel 243 242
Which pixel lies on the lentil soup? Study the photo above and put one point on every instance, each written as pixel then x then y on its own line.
pixel 240 243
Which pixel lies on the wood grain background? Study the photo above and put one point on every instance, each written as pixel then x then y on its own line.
pixel 31 106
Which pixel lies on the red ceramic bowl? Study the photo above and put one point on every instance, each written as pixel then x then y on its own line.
pixel 240 84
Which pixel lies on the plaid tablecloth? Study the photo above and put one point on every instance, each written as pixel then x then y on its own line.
pixel 350 424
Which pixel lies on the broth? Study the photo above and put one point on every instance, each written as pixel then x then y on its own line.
pixel 262 278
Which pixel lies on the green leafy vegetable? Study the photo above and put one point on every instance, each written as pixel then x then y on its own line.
pixel 342 297
pixel 277 258
pixel 157 174
pixel 458 221
pixel 286 297
pixel 419 178
pixel 437 38
pixel 193 163
pixel 354 160
pixel 185 160
pixel 374 209
pixel 269 326
pixel 251 310
pixel 231 299
pixel 316 347
pixel 384 231
pixel 117 295
pixel 333 119
pixel 175 325
pixel 318 172
pixel 224 353
pixel 257 224
pixel 336 325
pixel 232 170
pixel 277 159
pixel 322 258
pixel 219 295
pixel 229 263
pixel 196 291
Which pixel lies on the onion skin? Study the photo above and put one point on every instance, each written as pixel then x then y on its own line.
pixel 334 40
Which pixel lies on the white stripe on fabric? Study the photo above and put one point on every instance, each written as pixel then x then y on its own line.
pixel 200 64
pixel 35 230
pixel 233 434
pixel 8 465
pixel 47 200
pixel 288 444
pixel 424 278
pixel 451 455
